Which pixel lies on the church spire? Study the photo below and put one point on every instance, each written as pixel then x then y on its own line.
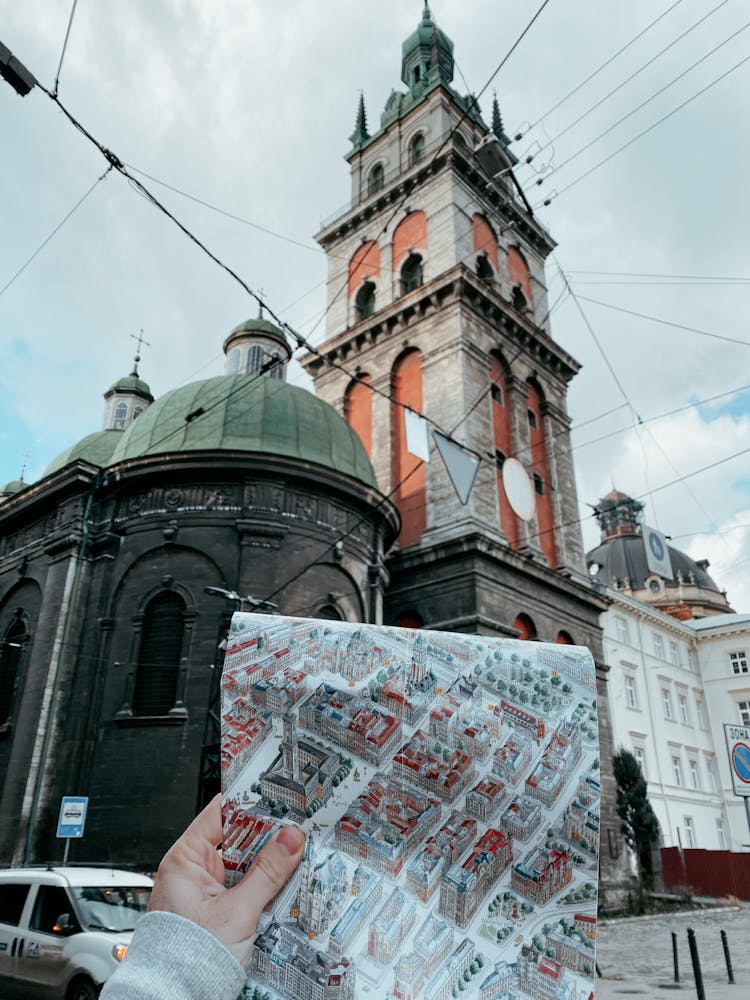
pixel 497 118
pixel 360 134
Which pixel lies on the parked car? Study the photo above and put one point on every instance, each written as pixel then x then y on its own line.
pixel 64 931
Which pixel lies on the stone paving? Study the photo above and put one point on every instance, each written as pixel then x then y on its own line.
pixel 635 955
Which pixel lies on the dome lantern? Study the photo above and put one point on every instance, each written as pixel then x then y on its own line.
pixel 257 347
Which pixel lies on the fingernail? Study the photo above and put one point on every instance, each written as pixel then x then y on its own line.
pixel 291 839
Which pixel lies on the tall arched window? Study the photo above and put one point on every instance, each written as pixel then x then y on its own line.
pixel 365 263
pixel 11 648
pixel 540 473
pixel 520 279
pixel 255 359
pixel 407 471
pixel 159 655
pixel 234 361
pixel 411 273
pixel 377 179
pixel 364 303
pixel 410 619
pixel 485 241
pixel 358 410
pixel 564 638
pixel 121 416
pixel 503 444
pixel 416 149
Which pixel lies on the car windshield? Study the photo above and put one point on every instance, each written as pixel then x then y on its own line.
pixel 111 908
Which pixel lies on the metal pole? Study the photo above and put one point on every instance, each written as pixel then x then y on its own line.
pixel 727 959
pixel 67 849
pixel 674 958
pixel 747 809
pixel 696 964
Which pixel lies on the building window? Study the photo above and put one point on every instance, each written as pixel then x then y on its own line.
pixel 700 711
pixel 234 361
pixel 137 412
pixel 677 770
pixel 365 301
pixel 623 634
pixel 720 835
pixel 674 653
pixel 121 416
pixel 330 613
pixel 689 831
pixel 631 692
pixel 159 655
pixel 377 179
pixel 496 391
pixel 711 774
pixel 538 484
pixel 525 626
pixel 658 646
pixel 694 776
pixel 640 755
pixel 416 149
pixel 254 359
pixel 666 703
pixel 738 661
pixel 10 658
pixel 744 707
pixel 411 273
pixel 684 712
pixel 532 419
pixel 484 268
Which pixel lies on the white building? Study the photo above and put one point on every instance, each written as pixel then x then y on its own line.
pixel 674 681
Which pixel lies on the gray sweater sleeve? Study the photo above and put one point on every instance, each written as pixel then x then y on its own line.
pixel 171 958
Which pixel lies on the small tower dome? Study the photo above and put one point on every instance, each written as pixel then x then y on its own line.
pixel 252 347
pixel 126 400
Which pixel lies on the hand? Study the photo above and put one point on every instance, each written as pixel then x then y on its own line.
pixel 190 881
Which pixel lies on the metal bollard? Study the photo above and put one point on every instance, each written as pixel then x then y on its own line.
pixel 692 943
pixel 727 959
pixel 674 958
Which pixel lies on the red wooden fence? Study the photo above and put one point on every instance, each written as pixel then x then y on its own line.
pixel 706 873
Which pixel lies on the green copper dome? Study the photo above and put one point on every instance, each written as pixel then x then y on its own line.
pixel 13 487
pixel 131 383
pixel 427 55
pixel 247 413
pixel 95 448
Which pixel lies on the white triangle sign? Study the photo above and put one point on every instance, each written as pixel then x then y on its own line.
pixel 461 464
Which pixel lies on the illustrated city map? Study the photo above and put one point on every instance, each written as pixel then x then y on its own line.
pixel 448 786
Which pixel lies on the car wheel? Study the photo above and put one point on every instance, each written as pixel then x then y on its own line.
pixel 82 989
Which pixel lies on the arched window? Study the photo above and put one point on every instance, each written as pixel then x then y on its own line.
pixel 501 426
pixel 407 471
pixel 520 301
pixel 137 412
pixel 409 619
pixel 518 274
pixel 121 416
pixel 485 243
pixel 564 638
pixel 484 268
pixel 411 273
pixel 365 263
pixel 277 368
pixel 234 361
pixel 377 179
pixel 358 410
pixel 416 149
pixel 329 613
pixel 364 304
pixel 525 626
pixel 159 655
pixel 255 359
pixel 540 473
pixel 11 648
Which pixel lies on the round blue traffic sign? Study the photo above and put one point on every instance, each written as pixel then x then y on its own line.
pixel 741 761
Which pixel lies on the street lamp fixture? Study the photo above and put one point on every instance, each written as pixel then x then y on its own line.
pixel 15 73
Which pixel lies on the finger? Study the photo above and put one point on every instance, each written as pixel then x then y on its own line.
pixel 270 871
pixel 206 827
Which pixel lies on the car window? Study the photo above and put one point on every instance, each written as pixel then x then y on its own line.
pixel 111 908
pixel 51 902
pixel 12 899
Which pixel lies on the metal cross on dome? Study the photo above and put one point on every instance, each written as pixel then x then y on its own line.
pixel 141 340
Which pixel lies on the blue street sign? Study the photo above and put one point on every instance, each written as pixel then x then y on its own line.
pixel 741 761
pixel 72 816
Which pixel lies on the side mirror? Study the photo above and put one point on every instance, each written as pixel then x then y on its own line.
pixel 65 925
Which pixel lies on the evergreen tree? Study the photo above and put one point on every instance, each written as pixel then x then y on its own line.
pixel 638 822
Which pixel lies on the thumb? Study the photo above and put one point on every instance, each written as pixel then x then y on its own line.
pixel 270 871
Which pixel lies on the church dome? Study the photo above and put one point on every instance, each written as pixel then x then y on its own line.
pixel 14 486
pixel 250 414
pixel 131 383
pixel 624 559
pixel 95 448
pixel 427 54
pixel 258 326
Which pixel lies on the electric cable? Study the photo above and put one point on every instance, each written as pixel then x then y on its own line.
pixel 555 195
pixel 57 229
pixel 590 77
pixel 65 45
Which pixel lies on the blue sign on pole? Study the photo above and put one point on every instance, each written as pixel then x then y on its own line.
pixel 72 816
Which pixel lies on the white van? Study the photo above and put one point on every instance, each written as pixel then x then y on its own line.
pixel 63 931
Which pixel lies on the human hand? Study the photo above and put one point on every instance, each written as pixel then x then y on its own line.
pixel 190 880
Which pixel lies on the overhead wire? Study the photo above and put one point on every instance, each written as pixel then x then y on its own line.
pixel 591 76
pixel 634 110
pixel 56 230
pixel 65 46
pixel 556 194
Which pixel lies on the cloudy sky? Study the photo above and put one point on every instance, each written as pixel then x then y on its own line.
pixel 247 106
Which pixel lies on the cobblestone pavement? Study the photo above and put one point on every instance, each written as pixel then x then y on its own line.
pixel 635 955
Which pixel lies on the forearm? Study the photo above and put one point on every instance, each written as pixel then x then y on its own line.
pixel 171 958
